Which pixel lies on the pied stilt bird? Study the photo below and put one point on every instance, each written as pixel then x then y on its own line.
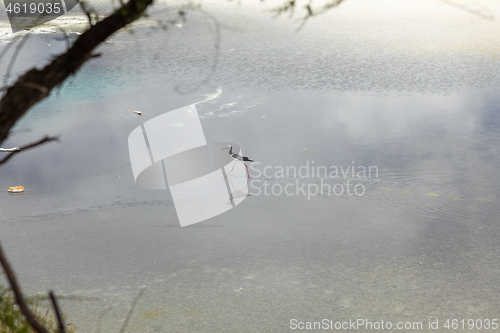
pixel 237 158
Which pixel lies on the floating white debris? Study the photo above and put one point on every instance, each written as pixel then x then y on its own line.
pixel 136 112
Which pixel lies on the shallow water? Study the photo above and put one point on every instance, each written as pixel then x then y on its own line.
pixel 420 243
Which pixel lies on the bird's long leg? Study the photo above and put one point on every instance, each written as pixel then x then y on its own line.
pixel 247 169
pixel 231 169
pixel 246 166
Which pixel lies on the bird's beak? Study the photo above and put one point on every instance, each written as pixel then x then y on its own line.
pixel 224 148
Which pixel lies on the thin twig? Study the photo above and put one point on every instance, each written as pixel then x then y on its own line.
pixel 14 58
pixel 315 12
pixel 6 48
pixel 88 13
pixel 66 38
pixel 215 62
pixel 28 146
pixel 30 317
pixel 62 328
pixel 131 311
pixel 478 12
pixel 311 11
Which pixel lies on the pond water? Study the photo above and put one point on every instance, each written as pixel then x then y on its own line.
pixel 409 92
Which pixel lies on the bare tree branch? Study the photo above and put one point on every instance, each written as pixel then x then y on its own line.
pixel 288 6
pixel 19 98
pixel 131 310
pixel 28 146
pixel 30 317
pixel 89 12
pixel 216 57
pixel 315 12
pixel 62 328
pixel 311 11
pixel 483 13
pixel 14 58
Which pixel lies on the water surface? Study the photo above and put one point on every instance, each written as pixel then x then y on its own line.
pixel 414 94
